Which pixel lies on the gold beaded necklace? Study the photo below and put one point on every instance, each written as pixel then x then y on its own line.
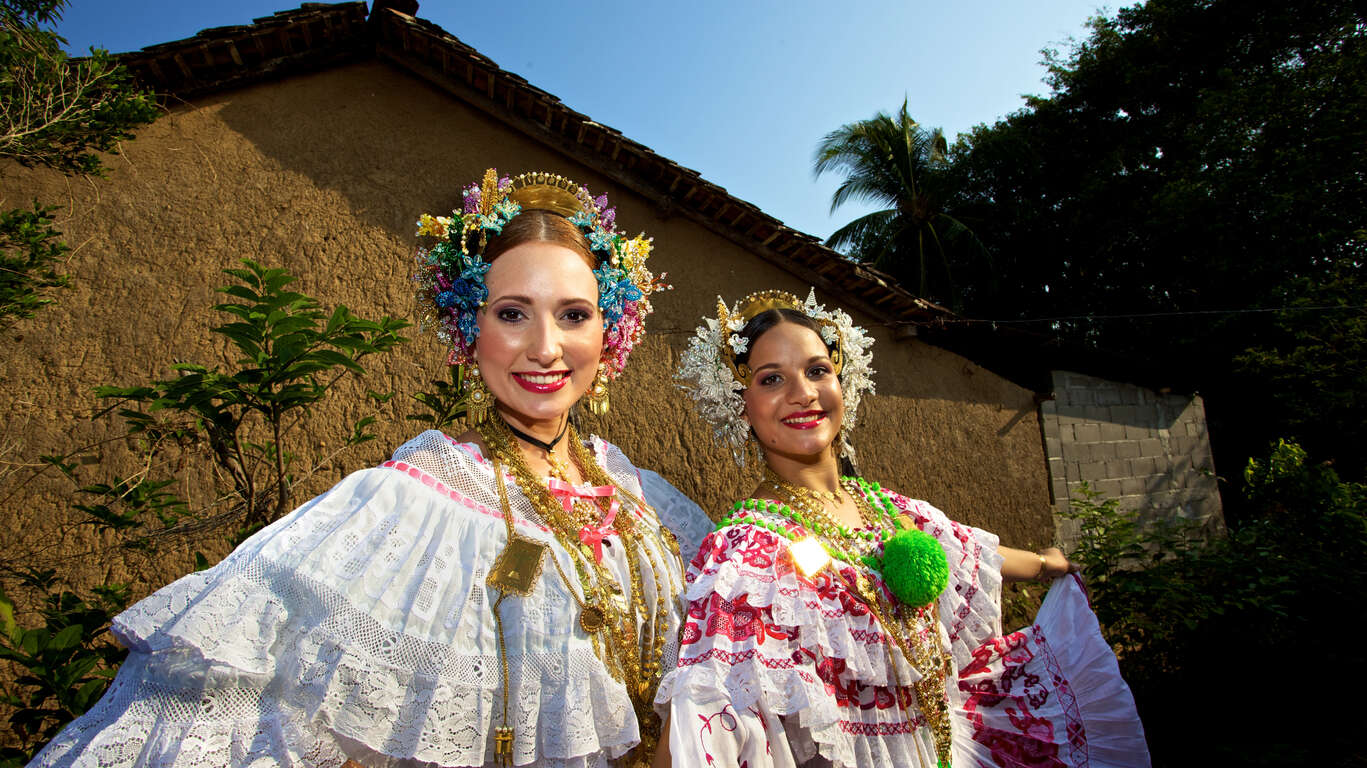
pixel 916 635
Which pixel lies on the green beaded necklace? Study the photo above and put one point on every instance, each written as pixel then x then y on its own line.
pixel 873 492
pixel 916 579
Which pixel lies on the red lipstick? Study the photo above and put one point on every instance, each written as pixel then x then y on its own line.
pixel 820 418
pixel 543 386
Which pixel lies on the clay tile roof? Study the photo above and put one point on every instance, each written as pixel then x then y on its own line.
pixel 319 35
pixel 314 36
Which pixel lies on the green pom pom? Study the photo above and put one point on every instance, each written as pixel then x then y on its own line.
pixel 915 567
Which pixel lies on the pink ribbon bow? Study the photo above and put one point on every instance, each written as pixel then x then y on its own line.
pixel 589 535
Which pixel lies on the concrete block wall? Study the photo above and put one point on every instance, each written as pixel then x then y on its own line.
pixel 1149 450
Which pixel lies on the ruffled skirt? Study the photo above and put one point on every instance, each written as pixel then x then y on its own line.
pixel 1048 695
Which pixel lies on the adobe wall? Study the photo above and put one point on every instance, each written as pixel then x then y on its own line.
pixel 324 175
pixel 1149 451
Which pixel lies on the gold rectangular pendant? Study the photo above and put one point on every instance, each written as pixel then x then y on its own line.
pixel 518 566
pixel 809 556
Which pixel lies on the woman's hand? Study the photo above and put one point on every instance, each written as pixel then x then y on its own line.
pixel 1045 565
pixel 1054 564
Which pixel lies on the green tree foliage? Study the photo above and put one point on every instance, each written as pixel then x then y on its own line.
pixel 1258 616
pixel 58 112
pixel 1195 157
pixel 1314 362
pixel 893 161
pixel 291 354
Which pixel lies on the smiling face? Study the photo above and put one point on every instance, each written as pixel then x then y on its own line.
pixel 793 401
pixel 540 333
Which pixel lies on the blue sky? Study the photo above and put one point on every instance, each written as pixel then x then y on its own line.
pixel 741 91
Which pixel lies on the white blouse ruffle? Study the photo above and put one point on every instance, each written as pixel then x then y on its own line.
pixel 360 626
pixel 777 670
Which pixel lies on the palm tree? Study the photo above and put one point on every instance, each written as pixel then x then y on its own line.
pixel 893 161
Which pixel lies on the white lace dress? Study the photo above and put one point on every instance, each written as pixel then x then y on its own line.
pixel 360 626
pixel 777 669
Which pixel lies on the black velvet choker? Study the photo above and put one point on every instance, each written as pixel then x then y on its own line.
pixel 543 445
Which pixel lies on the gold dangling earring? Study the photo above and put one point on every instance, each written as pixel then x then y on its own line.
pixel 479 400
pixel 598 393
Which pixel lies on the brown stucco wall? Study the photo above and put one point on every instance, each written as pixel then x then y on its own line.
pixel 324 175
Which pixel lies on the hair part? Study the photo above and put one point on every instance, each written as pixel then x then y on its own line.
pixel 538 226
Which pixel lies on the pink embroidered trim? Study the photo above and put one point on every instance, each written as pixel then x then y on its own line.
pixel 465 501
pixel 900 728
pixel 597 446
pixel 1077 732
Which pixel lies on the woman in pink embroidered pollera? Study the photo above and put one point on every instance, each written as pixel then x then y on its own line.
pixel 831 622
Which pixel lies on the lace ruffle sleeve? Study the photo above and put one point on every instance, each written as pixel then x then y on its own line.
pixel 970 607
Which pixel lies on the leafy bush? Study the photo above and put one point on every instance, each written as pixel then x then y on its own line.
pixel 242 417
pixel 68 661
pixel 30 250
pixel 1213 632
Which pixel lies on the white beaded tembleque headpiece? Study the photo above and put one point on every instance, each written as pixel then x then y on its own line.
pixel 710 375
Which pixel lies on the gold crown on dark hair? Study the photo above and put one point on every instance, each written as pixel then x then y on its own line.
pixel 757 304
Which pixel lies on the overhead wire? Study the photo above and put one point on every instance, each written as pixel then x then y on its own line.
pixel 1144 315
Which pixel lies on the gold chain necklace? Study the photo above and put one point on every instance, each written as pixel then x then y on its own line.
pixel 637 664
pixel 917 636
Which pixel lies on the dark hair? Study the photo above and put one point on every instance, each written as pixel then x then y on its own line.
pixel 537 226
pixel 761 323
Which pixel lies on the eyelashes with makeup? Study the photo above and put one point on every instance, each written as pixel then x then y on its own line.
pixel 816 373
pixel 572 316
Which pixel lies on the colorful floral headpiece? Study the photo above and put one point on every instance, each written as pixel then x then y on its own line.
pixel 451 273
pixel 711 376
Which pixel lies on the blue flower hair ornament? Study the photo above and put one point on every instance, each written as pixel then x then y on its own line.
pixel 450 273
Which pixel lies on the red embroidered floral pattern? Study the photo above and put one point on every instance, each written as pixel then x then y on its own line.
pixel 733 631
pixel 1003 692
pixel 1018 711
pixel 738 620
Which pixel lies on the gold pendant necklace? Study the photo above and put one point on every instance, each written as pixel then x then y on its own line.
pixel 632 657
pixel 809 501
